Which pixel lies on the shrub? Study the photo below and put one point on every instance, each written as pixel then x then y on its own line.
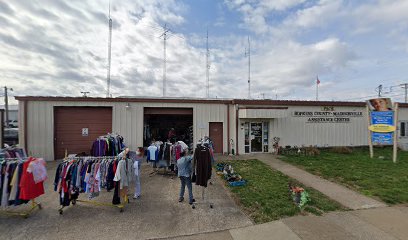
pixel 312 151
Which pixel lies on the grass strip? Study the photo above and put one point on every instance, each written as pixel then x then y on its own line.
pixel 266 197
pixel 378 177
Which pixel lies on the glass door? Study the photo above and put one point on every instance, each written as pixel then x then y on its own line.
pixel 247 143
pixel 256 137
pixel 265 136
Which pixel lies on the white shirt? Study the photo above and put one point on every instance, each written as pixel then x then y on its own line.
pixel 152 151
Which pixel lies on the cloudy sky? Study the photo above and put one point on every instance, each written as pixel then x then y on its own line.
pixel 59 48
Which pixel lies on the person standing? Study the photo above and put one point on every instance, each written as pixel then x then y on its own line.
pixel 172 135
pixel 185 170
pixel 137 170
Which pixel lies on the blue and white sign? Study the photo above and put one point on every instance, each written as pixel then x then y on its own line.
pixel 382 118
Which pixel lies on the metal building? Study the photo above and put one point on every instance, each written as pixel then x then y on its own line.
pixel 49 126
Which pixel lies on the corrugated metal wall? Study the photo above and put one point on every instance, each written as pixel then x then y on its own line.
pixel 127 121
pixel 2 117
pixel 297 131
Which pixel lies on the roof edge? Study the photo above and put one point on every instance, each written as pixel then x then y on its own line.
pixel 199 100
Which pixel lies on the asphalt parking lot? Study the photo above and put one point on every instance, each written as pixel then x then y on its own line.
pixel 157 214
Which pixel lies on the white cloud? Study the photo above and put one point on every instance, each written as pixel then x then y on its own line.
pixel 61 49
pixel 317 15
pixel 255 12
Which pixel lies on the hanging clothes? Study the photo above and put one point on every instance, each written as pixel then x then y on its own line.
pixel 202 165
pixel 29 189
pixel 85 174
pixel 108 145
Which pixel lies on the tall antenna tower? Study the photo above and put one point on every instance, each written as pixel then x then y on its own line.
pixel 248 54
pixel 164 34
pixel 208 69
pixel 109 55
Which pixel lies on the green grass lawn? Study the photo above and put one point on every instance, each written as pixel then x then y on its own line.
pixel 265 197
pixel 377 177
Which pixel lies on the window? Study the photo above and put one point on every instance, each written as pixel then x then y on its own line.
pixel 403 129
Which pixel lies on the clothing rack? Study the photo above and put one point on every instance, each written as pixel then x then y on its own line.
pixel 207 143
pixel 203 199
pixel 121 206
pixel 23 213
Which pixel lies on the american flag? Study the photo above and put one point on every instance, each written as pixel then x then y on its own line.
pixel 317 81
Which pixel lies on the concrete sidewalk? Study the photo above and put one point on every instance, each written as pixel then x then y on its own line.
pixel 341 194
pixel 387 223
pixel 371 220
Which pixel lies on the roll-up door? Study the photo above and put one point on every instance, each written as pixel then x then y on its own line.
pixel 75 128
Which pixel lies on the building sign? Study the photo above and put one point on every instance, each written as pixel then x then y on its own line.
pixel 84 132
pixel 382 127
pixel 327 116
pixel 256 130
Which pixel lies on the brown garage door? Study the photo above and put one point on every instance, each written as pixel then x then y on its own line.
pixel 77 127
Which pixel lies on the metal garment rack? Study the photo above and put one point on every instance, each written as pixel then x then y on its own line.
pixel 203 200
pixel 23 213
pixel 121 206
pixel 202 141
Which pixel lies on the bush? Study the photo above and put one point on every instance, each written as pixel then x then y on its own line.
pixel 342 150
pixel 312 151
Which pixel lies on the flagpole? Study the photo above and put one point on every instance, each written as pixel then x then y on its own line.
pixel 317 88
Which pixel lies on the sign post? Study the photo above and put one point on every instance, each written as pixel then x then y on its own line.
pixel 370 143
pixel 395 148
pixel 382 122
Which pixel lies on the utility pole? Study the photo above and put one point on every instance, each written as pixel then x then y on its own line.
pixel 164 34
pixel 6 104
pixel 248 54
pixel 405 87
pixel 379 89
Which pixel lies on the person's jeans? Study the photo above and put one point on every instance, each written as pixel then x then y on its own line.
pixel 137 185
pixel 186 181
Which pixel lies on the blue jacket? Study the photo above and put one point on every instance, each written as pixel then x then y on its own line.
pixel 185 168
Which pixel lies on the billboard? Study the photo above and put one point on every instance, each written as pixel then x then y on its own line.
pixel 381 121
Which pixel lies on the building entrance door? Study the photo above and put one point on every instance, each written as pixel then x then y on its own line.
pixel 256 137
pixel 216 135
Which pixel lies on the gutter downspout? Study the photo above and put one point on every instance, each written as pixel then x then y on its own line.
pixel 236 127
pixel 228 128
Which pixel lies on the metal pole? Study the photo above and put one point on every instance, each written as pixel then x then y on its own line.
pixel 6 106
pixel 249 69
pixel 109 56
pixel 370 144
pixel 208 69
pixel 164 59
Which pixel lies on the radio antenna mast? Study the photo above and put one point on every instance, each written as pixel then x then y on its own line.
pixel 109 55
pixel 248 54
pixel 208 69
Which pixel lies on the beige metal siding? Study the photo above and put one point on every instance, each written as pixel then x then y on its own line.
pixel 127 122
pixel 1 127
pixel 262 113
pixel 21 123
pixel 296 131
